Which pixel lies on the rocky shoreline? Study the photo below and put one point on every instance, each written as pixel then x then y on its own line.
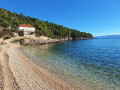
pixel 33 40
pixel 38 41
pixel 28 41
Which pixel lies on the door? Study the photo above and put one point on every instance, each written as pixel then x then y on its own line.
pixel 21 33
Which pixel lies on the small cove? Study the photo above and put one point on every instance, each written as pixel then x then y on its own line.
pixel 85 63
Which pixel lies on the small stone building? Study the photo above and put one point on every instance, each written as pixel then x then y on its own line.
pixel 24 29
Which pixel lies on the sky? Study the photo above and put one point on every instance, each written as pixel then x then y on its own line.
pixel 99 17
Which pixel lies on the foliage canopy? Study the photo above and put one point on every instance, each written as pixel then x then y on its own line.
pixel 12 19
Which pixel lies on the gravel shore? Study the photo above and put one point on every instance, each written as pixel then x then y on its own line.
pixel 17 72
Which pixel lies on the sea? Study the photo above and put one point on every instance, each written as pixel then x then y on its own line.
pixel 92 64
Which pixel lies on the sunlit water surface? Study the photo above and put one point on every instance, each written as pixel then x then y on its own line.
pixel 85 63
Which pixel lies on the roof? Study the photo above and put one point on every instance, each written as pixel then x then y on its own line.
pixel 24 25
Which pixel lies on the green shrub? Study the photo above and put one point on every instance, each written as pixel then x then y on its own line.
pixel 6 37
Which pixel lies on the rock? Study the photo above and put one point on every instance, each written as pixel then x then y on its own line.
pixel 22 42
pixel 38 41
pixel 1 40
pixel 13 34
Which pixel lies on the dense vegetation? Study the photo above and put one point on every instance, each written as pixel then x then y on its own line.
pixel 12 20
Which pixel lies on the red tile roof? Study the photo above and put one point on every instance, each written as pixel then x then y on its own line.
pixel 24 25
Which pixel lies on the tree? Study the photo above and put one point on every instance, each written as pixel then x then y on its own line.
pixel 52 30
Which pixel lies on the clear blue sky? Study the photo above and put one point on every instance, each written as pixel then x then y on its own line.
pixel 99 17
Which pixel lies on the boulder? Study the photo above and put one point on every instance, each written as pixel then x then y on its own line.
pixel 13 34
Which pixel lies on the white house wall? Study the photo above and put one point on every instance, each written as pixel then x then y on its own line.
pixel 26 29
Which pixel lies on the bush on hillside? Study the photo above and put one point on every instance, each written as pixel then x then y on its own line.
pixel 6 37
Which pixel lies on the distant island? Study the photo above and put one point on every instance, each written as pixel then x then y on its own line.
pixel 108 36
pixel 10 20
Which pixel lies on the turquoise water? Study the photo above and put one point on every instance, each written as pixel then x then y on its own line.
pixel 92 64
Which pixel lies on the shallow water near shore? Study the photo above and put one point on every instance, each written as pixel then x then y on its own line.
pixel 92 64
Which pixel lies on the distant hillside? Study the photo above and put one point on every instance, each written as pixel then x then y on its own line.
pixel 108 36
pixel 12 20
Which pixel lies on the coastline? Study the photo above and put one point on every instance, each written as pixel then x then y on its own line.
pixel 22 73
pixel 18 72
